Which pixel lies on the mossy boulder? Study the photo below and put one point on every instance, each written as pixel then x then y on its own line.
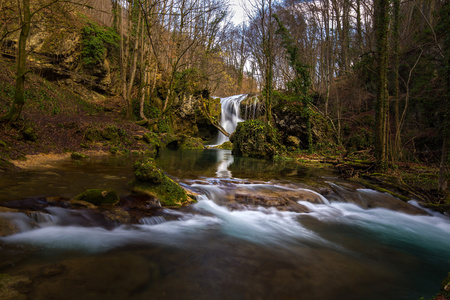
pixel 109 133
pixel 77 155
pixel 255 138
pixel 29 134
pixel 151 180
pixel 226 146
pixel 99 196
pixel 190 142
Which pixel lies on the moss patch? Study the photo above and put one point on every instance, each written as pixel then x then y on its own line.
pixel 189 142
pixel 99 196
pixel 77 155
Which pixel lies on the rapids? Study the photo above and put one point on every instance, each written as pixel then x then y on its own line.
pixel 223 246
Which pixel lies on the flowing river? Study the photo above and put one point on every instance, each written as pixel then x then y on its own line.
pixel 260 230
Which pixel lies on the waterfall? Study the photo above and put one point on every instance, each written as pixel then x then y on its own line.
pixel 230 115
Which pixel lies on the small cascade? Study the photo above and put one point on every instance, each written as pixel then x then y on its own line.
pixel 154 220
pixel 230 115
pixel 255 105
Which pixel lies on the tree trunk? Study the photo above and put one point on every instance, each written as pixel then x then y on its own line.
pixel 443 180
pixel 381 33
pixel 19 92
pixel 395 38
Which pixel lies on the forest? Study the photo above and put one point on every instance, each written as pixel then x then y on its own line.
pixel 363 76
pixel 339 113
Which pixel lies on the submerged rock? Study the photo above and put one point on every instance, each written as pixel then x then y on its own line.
pixel 150 180
pixel 11 286
pixel 99 196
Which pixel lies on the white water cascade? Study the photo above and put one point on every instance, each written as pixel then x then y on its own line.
pixel 230 115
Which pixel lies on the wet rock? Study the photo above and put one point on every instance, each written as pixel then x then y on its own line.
pixel 367 198
pixel 81 204
pixel 51 270
pixel 99 196
pixel 7 225
pixel 282 199
pixel 117 215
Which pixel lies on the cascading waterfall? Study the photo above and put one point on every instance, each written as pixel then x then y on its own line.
pixel 230 115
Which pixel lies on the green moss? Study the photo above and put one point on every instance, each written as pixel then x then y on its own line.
pixel 149 179
pixel 29 134
pixel 99 196
pixel 377 188
pixel 93 134
pixel 76 155
pixel 152 139
pixel 255 138
pixel 226 146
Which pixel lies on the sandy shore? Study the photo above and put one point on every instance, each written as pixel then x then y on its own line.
pixel 50 160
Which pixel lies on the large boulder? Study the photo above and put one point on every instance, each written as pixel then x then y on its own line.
pixel 255 138
pixel 151 180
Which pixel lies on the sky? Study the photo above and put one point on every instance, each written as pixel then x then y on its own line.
pixel 236 6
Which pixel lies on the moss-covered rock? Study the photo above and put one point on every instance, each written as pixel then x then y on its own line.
pixel 190 142
pixel 168 140
pixel 149 179
pixel 255 138
pixel 77 155
pixel 99 196
pixel 29 134
pixel 226 146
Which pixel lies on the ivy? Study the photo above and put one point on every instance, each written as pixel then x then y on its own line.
pixel 96 40
pixel 301 83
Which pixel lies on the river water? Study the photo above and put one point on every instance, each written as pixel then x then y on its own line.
pixel 224 246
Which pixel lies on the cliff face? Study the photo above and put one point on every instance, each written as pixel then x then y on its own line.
pixel 56 55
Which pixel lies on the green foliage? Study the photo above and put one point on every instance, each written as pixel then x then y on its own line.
pixel 255 138
pixel 150 112
pixel 300 85
pixel 189 81
pixel 96 40
pixel 163 125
